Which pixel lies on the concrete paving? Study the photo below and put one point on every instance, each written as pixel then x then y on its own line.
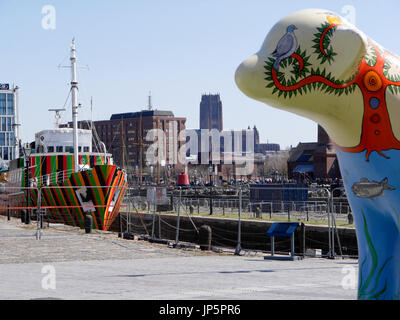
pixel 67 264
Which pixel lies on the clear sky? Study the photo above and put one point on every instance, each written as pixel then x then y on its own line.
pixel 177 49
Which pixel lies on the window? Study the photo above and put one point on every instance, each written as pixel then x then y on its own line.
pixel 9 124
pixel 10 104
pixel 79 149
pixel 2 103
pixel 69 149
pixel 59 149
pixel 5 154
pixel 3 124
pixel 86 149
pixel 12 139
pixel 50 149
pixel 2 139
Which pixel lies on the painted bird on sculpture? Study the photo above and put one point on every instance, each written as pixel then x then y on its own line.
pixel 287 45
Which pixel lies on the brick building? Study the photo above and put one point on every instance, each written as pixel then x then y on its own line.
pixel 314 160
pixel 124 135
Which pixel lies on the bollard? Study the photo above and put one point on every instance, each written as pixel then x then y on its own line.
pixel 350 218
pixel 27 217
pixel 258 212
pixel 8 214
pixel 205 235
pixel 23 216
pixel 88 223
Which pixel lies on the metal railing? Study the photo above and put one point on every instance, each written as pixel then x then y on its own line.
pixel 165 221
pixel 175 217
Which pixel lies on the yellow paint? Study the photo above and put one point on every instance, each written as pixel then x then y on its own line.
pixel 333 20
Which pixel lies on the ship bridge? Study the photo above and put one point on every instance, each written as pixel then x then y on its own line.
pixel 61 140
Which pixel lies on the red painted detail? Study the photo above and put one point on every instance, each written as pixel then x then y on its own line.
pixel 380 137
pixel 321 41
pixel 307 81
pixel 299 60
pixel 375 118
pixel 372 83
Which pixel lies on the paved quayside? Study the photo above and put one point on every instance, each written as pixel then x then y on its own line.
pixel 103 266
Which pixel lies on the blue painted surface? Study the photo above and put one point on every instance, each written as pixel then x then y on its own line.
pixel 374 103
pixel 282 229
pixel 302 168
pixel 377 222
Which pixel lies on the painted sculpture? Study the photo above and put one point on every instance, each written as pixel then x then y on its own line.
pixel 316 64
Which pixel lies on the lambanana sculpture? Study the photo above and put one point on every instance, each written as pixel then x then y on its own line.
pixel 316 64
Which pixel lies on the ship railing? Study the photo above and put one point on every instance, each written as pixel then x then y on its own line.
pixel 52 178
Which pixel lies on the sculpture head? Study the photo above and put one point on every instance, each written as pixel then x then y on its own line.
pixel 324 45
pixel 330 72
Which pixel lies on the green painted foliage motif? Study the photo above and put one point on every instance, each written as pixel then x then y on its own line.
pixel 296 75
pixel 365 292
pixel 298 67
pixel 327 54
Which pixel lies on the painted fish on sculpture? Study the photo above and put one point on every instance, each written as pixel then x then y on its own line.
pixel 371 189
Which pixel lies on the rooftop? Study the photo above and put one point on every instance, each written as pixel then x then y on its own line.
pixel 144 113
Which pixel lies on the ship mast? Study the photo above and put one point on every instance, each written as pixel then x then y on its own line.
pixel 74 99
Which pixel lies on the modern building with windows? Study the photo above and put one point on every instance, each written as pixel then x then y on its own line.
pixel 9 144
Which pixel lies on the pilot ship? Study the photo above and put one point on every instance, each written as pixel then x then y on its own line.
pixel 65 178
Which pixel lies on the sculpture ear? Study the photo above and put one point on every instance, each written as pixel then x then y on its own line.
pixel 350 46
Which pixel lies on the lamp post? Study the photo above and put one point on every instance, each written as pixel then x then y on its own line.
pixel 210 169
pixel 27 154
pixel 234 172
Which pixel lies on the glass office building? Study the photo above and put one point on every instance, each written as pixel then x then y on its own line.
pixel 8 122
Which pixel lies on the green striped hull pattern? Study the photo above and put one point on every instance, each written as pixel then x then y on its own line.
pixel 104 188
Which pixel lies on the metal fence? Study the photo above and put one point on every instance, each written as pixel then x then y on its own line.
pixel 173 213
pixel 163 220
pixel 61 205
pixel 228 206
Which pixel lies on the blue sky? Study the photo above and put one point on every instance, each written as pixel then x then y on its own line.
pixel 178 49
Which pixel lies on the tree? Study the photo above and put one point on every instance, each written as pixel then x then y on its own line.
pixel 276 165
